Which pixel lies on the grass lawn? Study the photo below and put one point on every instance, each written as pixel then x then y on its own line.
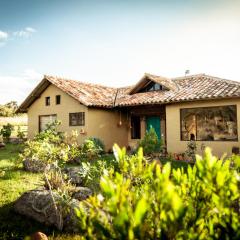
pixel 13 184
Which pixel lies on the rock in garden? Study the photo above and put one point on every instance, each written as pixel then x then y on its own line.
pixel 82 193
pixel 33 165
pixel 2 145
pixel 39 236
pixel 38 205
pixel 73 174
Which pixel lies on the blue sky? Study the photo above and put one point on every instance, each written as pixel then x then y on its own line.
pixel 115 42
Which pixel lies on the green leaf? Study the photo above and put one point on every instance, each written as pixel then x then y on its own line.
pixel 141 209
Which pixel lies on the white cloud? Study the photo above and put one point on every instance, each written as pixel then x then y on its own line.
pixel 3 35
pixel 3 38
pixel 19 86
pixel 30 29
pixel 25 33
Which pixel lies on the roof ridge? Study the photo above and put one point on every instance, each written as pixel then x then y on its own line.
pixel 74 80
pixel 223 79
pixel 189 76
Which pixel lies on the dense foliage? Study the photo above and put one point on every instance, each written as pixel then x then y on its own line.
pixel 51 146
pixel 8 109
pixel 147 201
pixel 150 143
pixel 6 132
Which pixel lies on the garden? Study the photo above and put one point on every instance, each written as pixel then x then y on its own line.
pixel 66 190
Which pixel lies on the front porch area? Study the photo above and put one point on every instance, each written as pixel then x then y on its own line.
pixel 142 118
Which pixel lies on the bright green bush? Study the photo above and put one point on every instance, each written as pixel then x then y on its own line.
pixel 20 134
pixel 6 131
pixel 91 149
pixel 150 143
pixel 147 201
pixel 48 147
pixel 50 134
pixel 98 143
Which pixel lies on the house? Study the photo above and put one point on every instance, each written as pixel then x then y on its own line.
pixel 195 107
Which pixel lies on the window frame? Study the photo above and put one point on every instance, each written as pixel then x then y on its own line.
pixel 39 117
pixel 135 116
pixel 78 124
pixel 58 99
pixel 153 84
pixel 46 101
pixel 218 106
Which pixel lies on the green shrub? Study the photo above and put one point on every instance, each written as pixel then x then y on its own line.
pixel 191 150
pixel 150 143
pixel 145 201
pixel 6 132
pixel 91 149
pixel 20 134
pixel 48 147
pixel 98 143
pixel 50 134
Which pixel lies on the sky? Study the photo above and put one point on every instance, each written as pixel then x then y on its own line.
pixel 114 42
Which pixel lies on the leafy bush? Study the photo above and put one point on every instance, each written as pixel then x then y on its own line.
pixel 48 147
pixel 98 143
pixel 191 150
pixel 6 131
pixel 20 134
pixel 91 149
pixel 150 143
pixel 145 201
pixel 50 134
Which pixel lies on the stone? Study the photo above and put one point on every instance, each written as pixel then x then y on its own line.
pixel 74 176
pixel 38 205
pixel 2 145
pixel 39 236
pixel 82 193
pixel 33 165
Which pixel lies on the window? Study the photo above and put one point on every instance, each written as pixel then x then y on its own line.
pixel 46 119
pixel 209 123
pixel 135 127
pixel 47 101
pixel 58 99
pixel 77 119
pixel 153 87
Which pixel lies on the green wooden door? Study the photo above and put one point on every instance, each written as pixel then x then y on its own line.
pixel 154 121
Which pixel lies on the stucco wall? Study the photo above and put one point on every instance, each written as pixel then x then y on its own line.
pixel 99 123
pixel 174 143
pixel 104 124
pixel 68 105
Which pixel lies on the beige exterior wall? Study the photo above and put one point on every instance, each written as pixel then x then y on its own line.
pixel 68 105
pixel 99 123
pixel 104 124
pixel 174 143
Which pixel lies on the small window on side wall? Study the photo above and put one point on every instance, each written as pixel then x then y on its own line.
pixel 77 119
pixel 47 101
pixel 58 99
pixel 135 127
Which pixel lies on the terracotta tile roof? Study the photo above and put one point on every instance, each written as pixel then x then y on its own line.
pixel 190 88
pixel 86 93
pixel 166 82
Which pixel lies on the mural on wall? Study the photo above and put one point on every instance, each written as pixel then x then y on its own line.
pixel 209 123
